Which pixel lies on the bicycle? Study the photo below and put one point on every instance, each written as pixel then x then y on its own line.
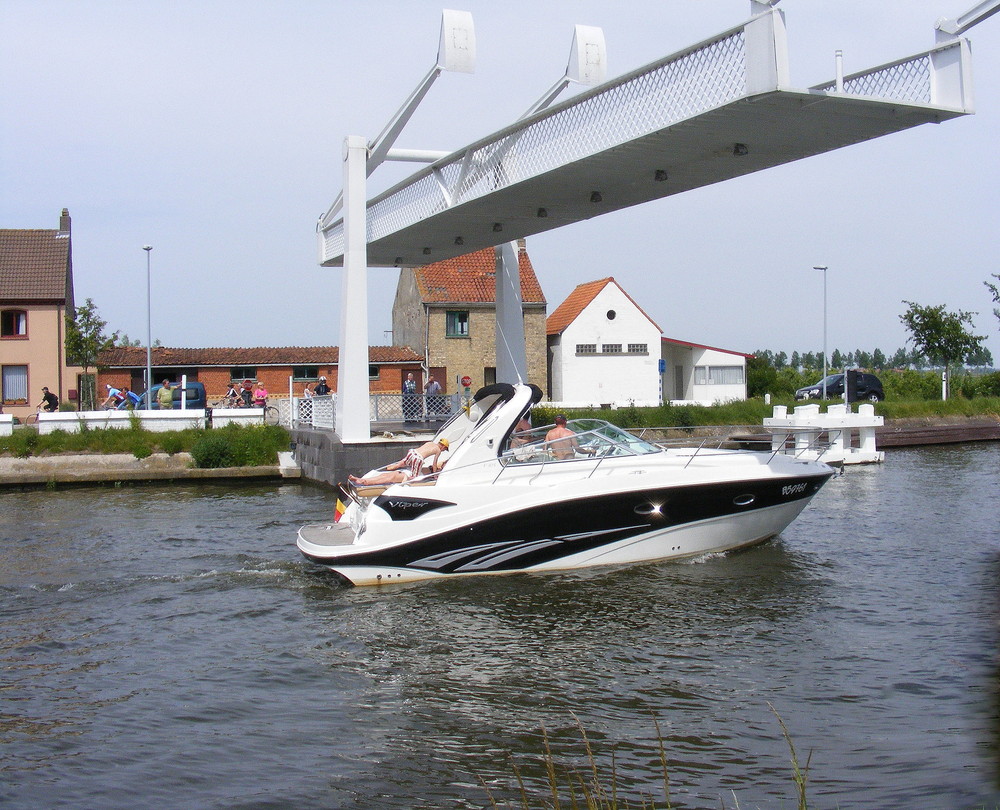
pixel 229 402
pixel 271 416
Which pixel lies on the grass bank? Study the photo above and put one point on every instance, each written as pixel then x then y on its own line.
pixel 231 446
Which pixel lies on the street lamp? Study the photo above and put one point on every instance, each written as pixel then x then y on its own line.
pixel 149 335
pixel 824 268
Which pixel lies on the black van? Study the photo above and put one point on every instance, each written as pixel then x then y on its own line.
pixel 869 388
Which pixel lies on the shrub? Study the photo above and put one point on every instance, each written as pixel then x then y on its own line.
pixel 239 446
pixel 212 450
pixel 171 443
pixel 989 385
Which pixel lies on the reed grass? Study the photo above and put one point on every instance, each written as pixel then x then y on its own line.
pixel 583 786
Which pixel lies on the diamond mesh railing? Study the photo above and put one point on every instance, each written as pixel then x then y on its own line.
pixel 907 80
pixel 646 101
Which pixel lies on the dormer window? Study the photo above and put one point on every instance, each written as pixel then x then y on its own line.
pixel 13 323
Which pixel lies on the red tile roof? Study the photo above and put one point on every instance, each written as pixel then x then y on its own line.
pixel 471 279
pixel 35 265
pixel 135 356
pixel 578 300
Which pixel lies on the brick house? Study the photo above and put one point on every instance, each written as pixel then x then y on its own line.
pixel 448 310
pixel 36 296
pixel 216 368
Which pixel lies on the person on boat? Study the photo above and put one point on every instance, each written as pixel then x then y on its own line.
pixel 522 433
pixel 410 466
pixel 563 443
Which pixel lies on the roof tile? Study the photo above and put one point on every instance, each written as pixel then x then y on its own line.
pixel 34 265
pixel 471 279
pixel 578 300
pixel 135 356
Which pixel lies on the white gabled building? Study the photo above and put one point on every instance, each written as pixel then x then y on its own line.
pixel 603 349
pixel 702 374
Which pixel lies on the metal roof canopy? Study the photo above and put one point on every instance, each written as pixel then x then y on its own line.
pixel 717 110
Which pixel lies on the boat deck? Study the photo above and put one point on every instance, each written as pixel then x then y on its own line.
pixel 327 534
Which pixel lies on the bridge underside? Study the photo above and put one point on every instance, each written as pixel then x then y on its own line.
pixel 738 138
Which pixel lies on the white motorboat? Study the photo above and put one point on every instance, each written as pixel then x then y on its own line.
pixel 511 501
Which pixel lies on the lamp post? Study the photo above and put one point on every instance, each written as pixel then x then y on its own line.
pixel 824 268
pixel 149 335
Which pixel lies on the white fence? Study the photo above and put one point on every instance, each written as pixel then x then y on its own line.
pixel 402 408
pixel 158 421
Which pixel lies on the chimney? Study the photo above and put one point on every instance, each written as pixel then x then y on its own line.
pixel 65 223
pixel 522 246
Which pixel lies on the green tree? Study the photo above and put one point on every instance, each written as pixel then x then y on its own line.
pixel 878 360
pixel 761 376
pixel 995 292
pixel 836 359
pixel 126 342
pixel 942 336
pixel 899 359
pixel 85 340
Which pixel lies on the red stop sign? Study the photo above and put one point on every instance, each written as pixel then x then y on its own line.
pixel 466 381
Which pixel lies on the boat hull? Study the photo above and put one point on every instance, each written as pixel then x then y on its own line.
pixel 521 531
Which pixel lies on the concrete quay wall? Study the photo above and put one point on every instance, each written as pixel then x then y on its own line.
pixel 324 458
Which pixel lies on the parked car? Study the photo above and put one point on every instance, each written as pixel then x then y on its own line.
pixel 195 392
pixel 869 388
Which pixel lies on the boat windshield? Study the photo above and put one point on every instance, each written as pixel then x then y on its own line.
pixel 591 438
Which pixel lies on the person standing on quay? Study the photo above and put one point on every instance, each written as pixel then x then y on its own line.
pixel 411 407
pixel 165 396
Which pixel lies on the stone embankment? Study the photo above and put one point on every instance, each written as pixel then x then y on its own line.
pixel 936 430
pixel 125 467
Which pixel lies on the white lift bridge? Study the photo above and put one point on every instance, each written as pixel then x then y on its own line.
pixel 721 108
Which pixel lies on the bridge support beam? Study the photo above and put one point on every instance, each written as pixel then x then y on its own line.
pixel 512 358
pixel 351 419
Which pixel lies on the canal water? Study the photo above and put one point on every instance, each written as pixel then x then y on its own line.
pixel 167 647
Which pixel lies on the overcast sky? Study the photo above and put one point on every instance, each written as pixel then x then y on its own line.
pixel 212 130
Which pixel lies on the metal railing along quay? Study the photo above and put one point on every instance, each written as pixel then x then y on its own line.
pixel 318 412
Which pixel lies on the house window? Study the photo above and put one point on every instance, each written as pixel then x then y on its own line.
pixel 586 348
pixel 457 324
pixel 15 384
pixel 243 373
pixel 374 372
pixel 638 348
pixel 305 372
pixel 718 375
pixel 14 323
pixel 611 348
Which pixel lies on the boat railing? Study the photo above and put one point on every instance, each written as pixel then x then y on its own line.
pixel 799 442
pixel 592 446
